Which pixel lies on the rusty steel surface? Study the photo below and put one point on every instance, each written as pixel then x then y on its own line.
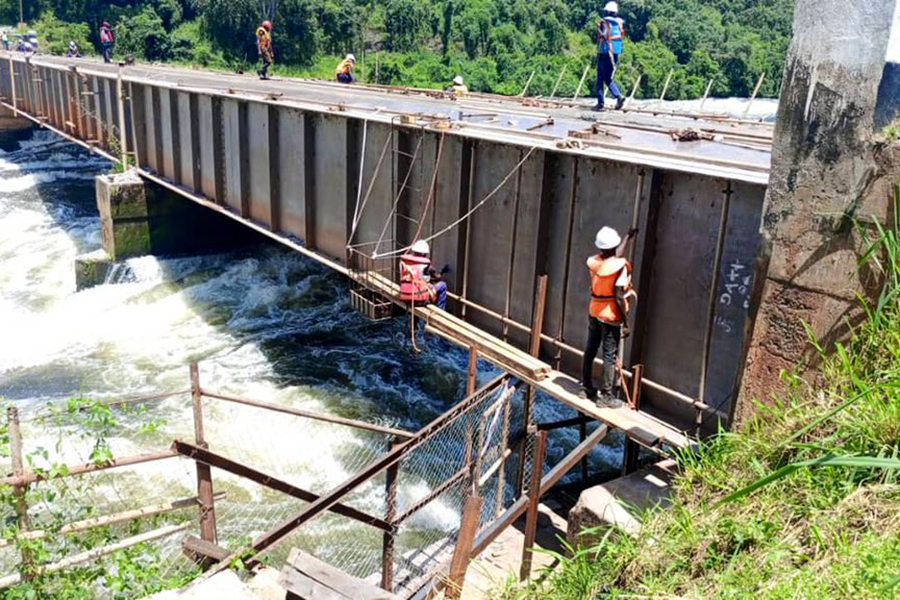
pixel 319 166
pixel 642 133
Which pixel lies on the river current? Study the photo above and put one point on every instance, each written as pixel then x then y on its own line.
pixel 262 321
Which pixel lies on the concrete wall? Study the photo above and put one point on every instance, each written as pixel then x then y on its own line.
pixel 828 166
pixel 301 173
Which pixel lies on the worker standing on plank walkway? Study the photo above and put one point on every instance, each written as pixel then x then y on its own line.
pixel 611 298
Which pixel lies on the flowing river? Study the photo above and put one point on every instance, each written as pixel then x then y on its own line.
pixel 263 322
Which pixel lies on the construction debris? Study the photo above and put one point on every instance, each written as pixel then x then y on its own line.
pixel 570 143
pixel 692 135
pixel 545 123
pixel 600 130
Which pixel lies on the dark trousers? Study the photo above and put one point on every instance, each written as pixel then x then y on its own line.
pixel 345 78
pixel 606 72
pixel 266 63
pixel 107 51
pixel 440 291
pixel 605 335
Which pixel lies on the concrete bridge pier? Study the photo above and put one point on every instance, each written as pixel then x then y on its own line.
pixel 142 218
pixel 831 163
pixel 12 126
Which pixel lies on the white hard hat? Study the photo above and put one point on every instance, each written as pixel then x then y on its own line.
pixel 458 80
pixel 421 247
pixel 351 57
pixel 607 239
pixel 612 7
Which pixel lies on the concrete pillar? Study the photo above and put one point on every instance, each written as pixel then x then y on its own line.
pixel 11 126
pixel 829 164
pixel 124 215
pixel 140 218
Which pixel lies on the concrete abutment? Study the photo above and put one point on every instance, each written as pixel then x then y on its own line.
pixel 830 165
pixel 140 218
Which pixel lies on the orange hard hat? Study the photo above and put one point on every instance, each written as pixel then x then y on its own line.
pixel 267 25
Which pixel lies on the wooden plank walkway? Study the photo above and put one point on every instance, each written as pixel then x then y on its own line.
pixel 638 426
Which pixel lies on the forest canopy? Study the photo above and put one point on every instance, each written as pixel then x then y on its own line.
pixel 494 44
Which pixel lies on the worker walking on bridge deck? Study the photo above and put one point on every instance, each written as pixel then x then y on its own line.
pixel 107 41
pixel 611 40
pixel 611 298
pixel 264 48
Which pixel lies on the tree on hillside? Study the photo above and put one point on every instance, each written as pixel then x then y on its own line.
pixel 405 22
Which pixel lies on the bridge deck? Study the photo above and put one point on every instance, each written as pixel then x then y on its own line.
pixel 741 149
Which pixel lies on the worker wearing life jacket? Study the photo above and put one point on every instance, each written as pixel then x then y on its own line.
pixel 611 40
pixel 344 71
pixel 414 275
pixel 107 41
pixel 611 298
pixel 264 48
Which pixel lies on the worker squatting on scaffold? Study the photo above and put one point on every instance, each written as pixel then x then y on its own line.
pixel 420 282
pixel 612 297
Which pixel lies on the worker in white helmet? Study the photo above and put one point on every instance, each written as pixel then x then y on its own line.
pixel 459 87
pixel 420 282
pixel 612 295
pixel 344 72
pixel 611 41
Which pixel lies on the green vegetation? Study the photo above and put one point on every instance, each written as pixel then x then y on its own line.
pixel 803 502
pixel 494 44
pixel 132 572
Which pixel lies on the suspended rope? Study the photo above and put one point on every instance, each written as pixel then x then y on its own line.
pixel 396 200
pixel 362 167
pixel 365 200
pixel 473 209
pixel 431 190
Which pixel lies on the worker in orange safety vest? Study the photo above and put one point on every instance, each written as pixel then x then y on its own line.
pixel 420 283
pixel 264 48
pixel 612 295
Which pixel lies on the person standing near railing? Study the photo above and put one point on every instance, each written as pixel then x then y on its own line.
pixel 264 47
pixel 611 40
pixel 107 41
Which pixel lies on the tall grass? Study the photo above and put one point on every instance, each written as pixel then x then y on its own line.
pixel 803 502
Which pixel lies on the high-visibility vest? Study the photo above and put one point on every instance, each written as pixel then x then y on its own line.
pixel 615 35
pixel 346 66
pixel 263 40
pixel 414 286
pixel 604 275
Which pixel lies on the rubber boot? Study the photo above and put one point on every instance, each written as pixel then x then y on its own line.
pixel 620 102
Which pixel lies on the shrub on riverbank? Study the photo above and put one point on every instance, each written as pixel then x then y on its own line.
pixel 746 521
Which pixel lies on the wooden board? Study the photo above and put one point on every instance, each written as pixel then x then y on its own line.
pixel 637 425
pixel 307 578
pixel 462 332
pixel 203 553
